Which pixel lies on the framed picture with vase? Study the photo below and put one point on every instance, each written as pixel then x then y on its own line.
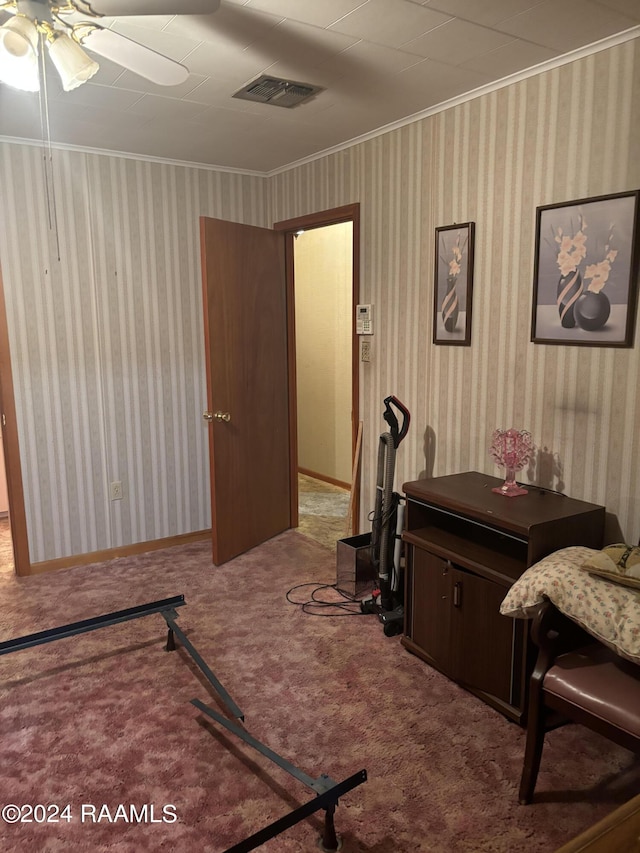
pixel 586 271
pixel 453 284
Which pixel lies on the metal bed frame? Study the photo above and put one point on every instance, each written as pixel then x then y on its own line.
pixel 326 789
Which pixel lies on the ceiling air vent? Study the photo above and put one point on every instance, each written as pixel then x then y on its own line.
pixel 279 93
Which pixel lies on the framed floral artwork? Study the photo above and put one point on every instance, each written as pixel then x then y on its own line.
pixel 586 271
pixel 453 284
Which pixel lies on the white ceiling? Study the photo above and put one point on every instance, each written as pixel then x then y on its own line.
pixel 379 61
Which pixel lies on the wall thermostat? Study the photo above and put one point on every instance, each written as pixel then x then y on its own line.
pixel 364 319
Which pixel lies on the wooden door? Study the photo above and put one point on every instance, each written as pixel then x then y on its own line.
pixel 245 315
pixel 11 449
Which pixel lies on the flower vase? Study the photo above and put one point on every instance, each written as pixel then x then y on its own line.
pixel 592 310
pixel 569 289
pixel 450 304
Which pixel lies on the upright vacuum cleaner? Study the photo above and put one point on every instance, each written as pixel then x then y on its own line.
pixel 386 528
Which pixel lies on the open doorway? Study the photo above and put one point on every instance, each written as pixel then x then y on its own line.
pixel 323 263
pixel 323 284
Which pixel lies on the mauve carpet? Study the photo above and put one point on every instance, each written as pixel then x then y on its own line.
pixel 105 718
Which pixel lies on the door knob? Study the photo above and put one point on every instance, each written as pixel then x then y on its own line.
pixel 222 416
pixel 208 416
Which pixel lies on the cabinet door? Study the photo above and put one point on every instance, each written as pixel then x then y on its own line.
pixel 482 638
pixel 432 608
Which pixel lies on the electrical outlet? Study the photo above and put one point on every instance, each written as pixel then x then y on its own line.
pixel 116 490
pixel 365 350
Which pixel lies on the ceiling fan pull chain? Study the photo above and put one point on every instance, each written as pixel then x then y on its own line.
pixel 45 130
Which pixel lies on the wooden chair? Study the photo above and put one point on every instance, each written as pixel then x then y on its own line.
pixel 584 681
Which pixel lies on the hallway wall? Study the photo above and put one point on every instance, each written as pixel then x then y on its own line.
pixel 323 287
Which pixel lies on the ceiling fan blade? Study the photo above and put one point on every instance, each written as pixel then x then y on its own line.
pixel 136 57
pixel 122 8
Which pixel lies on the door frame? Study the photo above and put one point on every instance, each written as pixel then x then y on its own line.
pixel 346 213
pixel 11 449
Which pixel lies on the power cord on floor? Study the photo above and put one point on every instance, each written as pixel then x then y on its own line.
pixel 314 605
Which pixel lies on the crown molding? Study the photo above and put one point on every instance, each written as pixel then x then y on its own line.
pixel 548 65
pixel 147 158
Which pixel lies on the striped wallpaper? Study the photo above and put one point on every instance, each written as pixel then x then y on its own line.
pixel 107 343
pixel 570 132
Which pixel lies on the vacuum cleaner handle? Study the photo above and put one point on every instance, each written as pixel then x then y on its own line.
pixel 397 433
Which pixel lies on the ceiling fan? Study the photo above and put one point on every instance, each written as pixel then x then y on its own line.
pixel 69 27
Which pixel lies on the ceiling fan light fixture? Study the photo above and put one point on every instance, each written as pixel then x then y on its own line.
pixel 19 54
pixel 73 65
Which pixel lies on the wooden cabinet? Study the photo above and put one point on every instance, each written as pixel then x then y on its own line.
pixel 454 624
pixel 465 546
